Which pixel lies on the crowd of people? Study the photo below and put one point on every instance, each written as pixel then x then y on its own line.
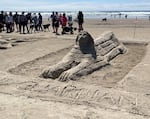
pixel 65 22
pixel 19 22
pixel 23 23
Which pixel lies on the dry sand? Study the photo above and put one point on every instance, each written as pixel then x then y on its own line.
pixel 120 90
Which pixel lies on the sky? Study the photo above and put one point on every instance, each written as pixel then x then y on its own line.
pixel 73 5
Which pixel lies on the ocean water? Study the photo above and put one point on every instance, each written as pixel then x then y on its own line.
pixel 100 14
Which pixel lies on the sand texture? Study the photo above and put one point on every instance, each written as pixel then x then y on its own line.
pixel 119 90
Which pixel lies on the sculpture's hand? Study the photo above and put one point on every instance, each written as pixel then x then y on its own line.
pixel 71 73
pixel 46 72
pixel 53 71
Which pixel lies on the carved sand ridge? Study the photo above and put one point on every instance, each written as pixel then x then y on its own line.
pixel 76 93
pixel 86 56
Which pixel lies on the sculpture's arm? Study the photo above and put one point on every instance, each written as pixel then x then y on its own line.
pixel 66 63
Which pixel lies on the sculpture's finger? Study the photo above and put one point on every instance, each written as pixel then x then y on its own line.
pixel 61 76
pixel 44 74
pixel 64 76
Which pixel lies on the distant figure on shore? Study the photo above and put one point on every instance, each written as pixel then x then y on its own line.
pixel 63 23
pixel 22 23
pixel 120 15
pixel 2 21
pixel 70 23
pixel 40 19
pixel 9 20
pixel 35 21
pixel 70 19
pixel 29 18
pixel 126 16
pixel 56 22
pixel 26 23
pixel 16 17
pixel 80 20
pixel 52 17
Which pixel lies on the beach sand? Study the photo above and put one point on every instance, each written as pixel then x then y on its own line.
pixel 120 90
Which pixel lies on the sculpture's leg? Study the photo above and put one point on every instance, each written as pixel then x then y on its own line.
pixel 102 61
pixel 116 51
pixel 91 68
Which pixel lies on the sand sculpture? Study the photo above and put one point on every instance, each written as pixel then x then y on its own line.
pixel 86 56
pixel 6 43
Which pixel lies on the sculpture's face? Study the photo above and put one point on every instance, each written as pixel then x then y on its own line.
pixel 83 34
pixel 86 43
pixel 84 38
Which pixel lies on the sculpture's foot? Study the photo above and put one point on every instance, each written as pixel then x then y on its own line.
pixel 51 73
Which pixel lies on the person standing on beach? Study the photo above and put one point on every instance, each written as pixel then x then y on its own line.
pixel 22 22
pixel 63 22
pixel 16 21
pixel 53 21
pixel 80 20
pixel 29 18
pixel 40 19
pixel 35 21
pixel 2 21
pixel 7 23
pixel 70 23
pixel 56 23
pixel 9 20
pixel 126 16
pixel 26 23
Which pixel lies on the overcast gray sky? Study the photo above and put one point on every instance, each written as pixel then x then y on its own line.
pixel 85 5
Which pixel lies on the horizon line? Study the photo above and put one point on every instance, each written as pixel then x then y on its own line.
pixel 79 10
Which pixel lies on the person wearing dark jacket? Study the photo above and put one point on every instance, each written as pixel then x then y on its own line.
pixel 80 18
pixel 40 19
pixel 16 21
pixel 2 21
pixel 22 22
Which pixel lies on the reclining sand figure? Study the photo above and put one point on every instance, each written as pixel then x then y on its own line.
pixel 85 57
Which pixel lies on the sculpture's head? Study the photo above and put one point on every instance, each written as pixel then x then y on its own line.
pixel 84 38
pixel 86 43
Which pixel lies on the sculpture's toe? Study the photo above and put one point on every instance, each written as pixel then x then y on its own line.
pixel 45 73
pixel 65 76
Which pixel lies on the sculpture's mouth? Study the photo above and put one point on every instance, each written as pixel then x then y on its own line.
pixel 107 76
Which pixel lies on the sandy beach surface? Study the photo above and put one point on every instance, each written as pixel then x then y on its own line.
pixel 120 90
